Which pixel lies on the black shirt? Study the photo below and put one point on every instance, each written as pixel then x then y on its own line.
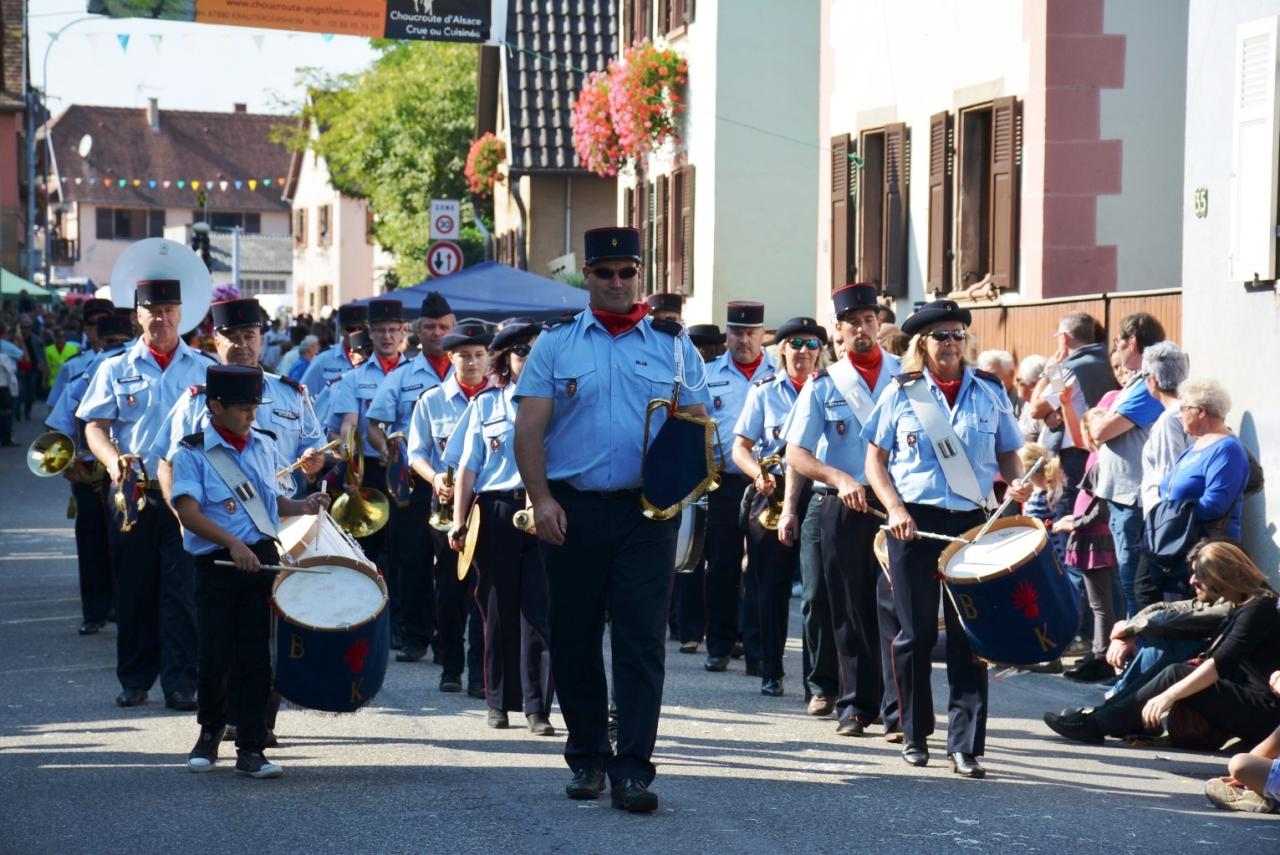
pixel 1248 650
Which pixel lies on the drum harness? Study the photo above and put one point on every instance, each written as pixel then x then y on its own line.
pixel 221 461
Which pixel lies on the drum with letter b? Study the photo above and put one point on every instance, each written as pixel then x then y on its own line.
pixel 1013 598
pixel 333 633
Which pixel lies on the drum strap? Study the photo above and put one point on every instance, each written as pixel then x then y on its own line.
pixel 845 376
pixel 223 463
pixel 946 444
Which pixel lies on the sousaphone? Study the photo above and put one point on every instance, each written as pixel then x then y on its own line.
pixel 158 258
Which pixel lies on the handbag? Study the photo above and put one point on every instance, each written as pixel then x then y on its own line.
pixel 1170 530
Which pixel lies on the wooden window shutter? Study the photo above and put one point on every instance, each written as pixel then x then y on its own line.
pixel 639 20
pixel 644 204
pixel 842 217
pixel 941 145
pixel 675 205
pixel 629 207
pixel 868 261
pixel 1004 192
pixel 1255 148
pixel 679 14
pixel 897 165
pixel 686 228
pixel 660 242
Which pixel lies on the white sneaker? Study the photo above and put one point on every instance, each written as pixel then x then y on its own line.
pixel 205 754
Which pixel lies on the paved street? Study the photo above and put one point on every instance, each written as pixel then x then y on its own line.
pixel 419 771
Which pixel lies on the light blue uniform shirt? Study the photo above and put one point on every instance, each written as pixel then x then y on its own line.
pixel 194 476
pixel 354 392
pixel 63 414
pixel 983 420
pixel 727 389
pixel 823 423
pixel 435 418
pixel 600 387
pixel 130 391
pixel 327 368
pixel 400 390
pixel 485 441
pixel 71 369
pixel 764 414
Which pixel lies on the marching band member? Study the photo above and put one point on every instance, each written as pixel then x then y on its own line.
pixel 328 367
pixel 226 495
pixel 579 435
pixel 435 418
pixel 728 380
pixel 75 366
pixel 939 402
pixel 125 410
pixel 665 306
pixel 511 586
pixel 390 412
pixel 824 444
pixel 772 563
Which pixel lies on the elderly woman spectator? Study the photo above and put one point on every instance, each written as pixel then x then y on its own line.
pixel 1030 370
pixel 306 352
pixel 1214 469
pixel 1165 366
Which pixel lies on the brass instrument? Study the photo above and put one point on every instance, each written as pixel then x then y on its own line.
pixel 159 258
pixel 523 520
pixel 130 495
pixel 366 511
pixel 442 517
pixel 772 513
pixel 50 454
pixel 398 474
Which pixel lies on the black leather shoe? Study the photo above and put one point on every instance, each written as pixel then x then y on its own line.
pixel 397 641
pixel 716 663
pixel 181 701
pixel 411 654
pixel 540 724
pixel 450 683
pixel 91 627
pixel 1079 726
pixel 131 698
pixel 476 690
pixel 850 727
pixel 587 784
pixel 916 754
pixel 634 796
pixel 752 669
pixel 1093 671
pixel 737 650
pixel 229 733
pixel 771 688
pixel 498 719
pixel 966 765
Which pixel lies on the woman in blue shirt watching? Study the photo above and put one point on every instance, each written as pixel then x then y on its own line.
pixel 1214 469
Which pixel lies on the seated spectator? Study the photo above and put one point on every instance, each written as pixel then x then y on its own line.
pixel 1159 636
pixel 1226 691
pixel 1253 780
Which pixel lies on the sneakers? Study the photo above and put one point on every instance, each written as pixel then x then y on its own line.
pixel 256 766
pixel 205 755
pixel 1226 797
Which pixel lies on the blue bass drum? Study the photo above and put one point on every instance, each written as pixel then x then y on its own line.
pixel 333 633
pixel 1013 597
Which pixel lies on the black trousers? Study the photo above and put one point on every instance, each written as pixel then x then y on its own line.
pixel 887 618
pixel 725 546
pixel 850 569
pixel 414 557
pixel 93 550
pixel 234 619
pixel 618 562
pixel 459 626
pixel 155 602
pixel 771 567
pixel 913 569
pixel 689 603
pixel 6 416
pixel 378 547
pixel 511 589
pixel 821 672
pixel 1234 708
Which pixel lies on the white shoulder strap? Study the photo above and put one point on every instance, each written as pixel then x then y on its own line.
pixel 946 444
pixel 845 376
pixel 229 471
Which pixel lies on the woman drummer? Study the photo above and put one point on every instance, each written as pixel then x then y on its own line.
pixel 511 587
pixel 759 436
pixel 940 398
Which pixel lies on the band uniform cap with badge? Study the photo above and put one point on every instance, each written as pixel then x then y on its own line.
pixel 383 311
pixel 352 317
pixel 801 327
pixel 235 314
pixel 158 292
pixel 434 305
pixel 665 302
pixel 234 384
pixel 512 331
pixel 116 323
pixel 95 308
pixel 859 295
pixel 467 334
pixel 744 313
pixel 703 335
pixel 607 243
pixel 937 312
pixel 360 342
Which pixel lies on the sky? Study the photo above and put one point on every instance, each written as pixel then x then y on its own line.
pixel 186 66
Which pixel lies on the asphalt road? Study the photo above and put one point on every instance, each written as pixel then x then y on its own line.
pixel 418 771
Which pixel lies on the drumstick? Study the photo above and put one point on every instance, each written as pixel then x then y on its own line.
pixel 322 449
pixel 932 536
pixel 1007 501
pixel 278 567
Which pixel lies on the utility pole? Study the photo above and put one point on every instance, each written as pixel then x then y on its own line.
pixel 30 100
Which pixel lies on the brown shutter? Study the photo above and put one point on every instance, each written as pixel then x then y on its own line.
pixel 940 147
pixel 870 207
pixel 629 208
pixel 686 227
pixel 639 20
pixel 1004 192
pixel 679 13
pixel 897 163
pixel 660 243
pixel 840 214
pixel 644 201
pixel 675 204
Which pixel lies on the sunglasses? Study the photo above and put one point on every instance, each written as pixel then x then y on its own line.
pixel 624 273
pixel 804 343
pixel 943 335
pixel 521 349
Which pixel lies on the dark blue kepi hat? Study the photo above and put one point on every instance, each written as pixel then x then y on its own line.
pixel 513 331
pixel 381 311
pixel 937 312
pixel 96 308
pixel 743 313
pixel 704 334
pixel 158 292
pixel 665 302
pixel 234 384
pixel 466 334
pixel 435 306
pixel 801 326
pixel 851 297
pixel 230 314
pixel 351 316
pixel 602 244
pixel 116 323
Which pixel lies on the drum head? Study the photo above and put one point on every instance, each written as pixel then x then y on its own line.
pixel 349 595
pixel 296 533
pixel 1009 544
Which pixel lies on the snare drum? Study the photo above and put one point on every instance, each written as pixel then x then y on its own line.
pixel 312 535
pixel 1011 594
pixel 333 634
pixel 693 531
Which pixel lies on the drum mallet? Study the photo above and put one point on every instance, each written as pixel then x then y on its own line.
pixel 1008 500
pixel 276 568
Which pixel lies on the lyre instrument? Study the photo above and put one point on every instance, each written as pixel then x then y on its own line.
pixel 50 454
pixel 130 495
pixel 441 518
pixel 158 258
pixel 679 466
pixel 398 473
pixel 361 511
pixel 772 513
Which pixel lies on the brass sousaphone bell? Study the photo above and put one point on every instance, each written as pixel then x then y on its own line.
pixel 366 511
pixel 158 258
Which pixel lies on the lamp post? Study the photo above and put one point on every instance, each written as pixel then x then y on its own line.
pixel 200 243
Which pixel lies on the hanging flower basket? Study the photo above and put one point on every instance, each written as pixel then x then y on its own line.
pixel 483 163
pixel 594 138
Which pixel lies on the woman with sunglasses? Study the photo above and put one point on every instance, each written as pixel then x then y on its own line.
pixel 771 562
pixel 919 494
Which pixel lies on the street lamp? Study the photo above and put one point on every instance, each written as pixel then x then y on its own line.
pixel 200 243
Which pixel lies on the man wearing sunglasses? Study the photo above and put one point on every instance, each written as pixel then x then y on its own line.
pixel 328 367
pixel 583 396
pixel 729 379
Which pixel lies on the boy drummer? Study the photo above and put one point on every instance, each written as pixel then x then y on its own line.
pixel 225 494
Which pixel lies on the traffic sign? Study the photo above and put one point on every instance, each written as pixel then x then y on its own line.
pixel 444 257
pixel 446 215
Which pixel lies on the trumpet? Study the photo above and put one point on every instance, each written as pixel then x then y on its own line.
pixel 523 520
pixel 442 517
pixel 772 513
pixel 50 454
pixel 364 512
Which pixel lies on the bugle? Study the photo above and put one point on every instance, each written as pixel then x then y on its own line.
pixel 360 511
pixel 50 454
pixel 441 518
pixel 523 520
pixel 679 466
pixel 772 513
pixel 398 474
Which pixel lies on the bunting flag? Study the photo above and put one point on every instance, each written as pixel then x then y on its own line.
pixel 221 185
pixel 156 40
pixel 123 38
pixel 328 37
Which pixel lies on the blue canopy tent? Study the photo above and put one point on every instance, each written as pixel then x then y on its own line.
pixel 494 292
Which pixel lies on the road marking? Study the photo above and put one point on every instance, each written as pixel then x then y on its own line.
pixel 37 620
pixel 55 532
pixel 38 556
pixel 31 600
pixel 55 669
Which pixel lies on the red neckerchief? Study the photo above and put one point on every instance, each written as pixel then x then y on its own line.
pixel 616 323
pixel 346 351
pixel 749 368
pixel 798 384
pixel 162 358
pixel 868 365
pixel 950 388
pixel 388 363
pixel 439 364
pixel 236 442
pixel 472 391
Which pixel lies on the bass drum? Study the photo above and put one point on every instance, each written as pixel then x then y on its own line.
pixel 693 533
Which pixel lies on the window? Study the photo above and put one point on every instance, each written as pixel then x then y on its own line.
pixel 129 223
pixel 256 287
pixel 326 292
pixel 368 225
pixel 300 228
pixel 1255 152
pixel 680 232
pixel 881 204
pixel 674 16
pixel 250 224
pixel 843 218
pixel 637 20
pixel 324 236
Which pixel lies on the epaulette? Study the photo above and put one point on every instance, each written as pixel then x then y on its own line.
pixel 195 391
pixel 489 389
pixel 192 440
pixel 209 356
pixel 566 318
pixel 293 384
pixel 821 372
pixel 987 375
pixel 764 380
pixel 667 326
pixel 908 377
pixel 265 431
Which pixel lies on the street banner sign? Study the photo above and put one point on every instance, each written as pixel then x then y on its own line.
pixel 423 20
pixel 445 216
pixel 443 258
